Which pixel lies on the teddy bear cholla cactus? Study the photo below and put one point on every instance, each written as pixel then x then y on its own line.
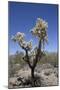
pixel 40 31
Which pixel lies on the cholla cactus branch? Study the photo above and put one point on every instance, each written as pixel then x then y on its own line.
pixel 40 30
pixel 27 46
pixel 19 37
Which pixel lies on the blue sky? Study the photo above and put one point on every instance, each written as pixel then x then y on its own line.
pixel 22 18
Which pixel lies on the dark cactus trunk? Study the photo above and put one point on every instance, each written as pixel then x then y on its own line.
pixel 32 77
pixel 32 67
pixel 32 72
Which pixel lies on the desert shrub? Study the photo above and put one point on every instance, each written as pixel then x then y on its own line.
pixel 18 59
pixel 51 58
pixel 15 63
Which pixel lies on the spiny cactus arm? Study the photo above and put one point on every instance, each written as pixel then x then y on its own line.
pixel 38 54
pixel 40 31
pixel 26 46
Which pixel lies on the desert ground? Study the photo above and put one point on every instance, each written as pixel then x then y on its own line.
pixel 46 73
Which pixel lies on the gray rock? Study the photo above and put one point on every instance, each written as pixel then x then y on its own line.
pixel 12 80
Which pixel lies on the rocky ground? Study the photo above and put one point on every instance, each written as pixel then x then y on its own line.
pixel 45 75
